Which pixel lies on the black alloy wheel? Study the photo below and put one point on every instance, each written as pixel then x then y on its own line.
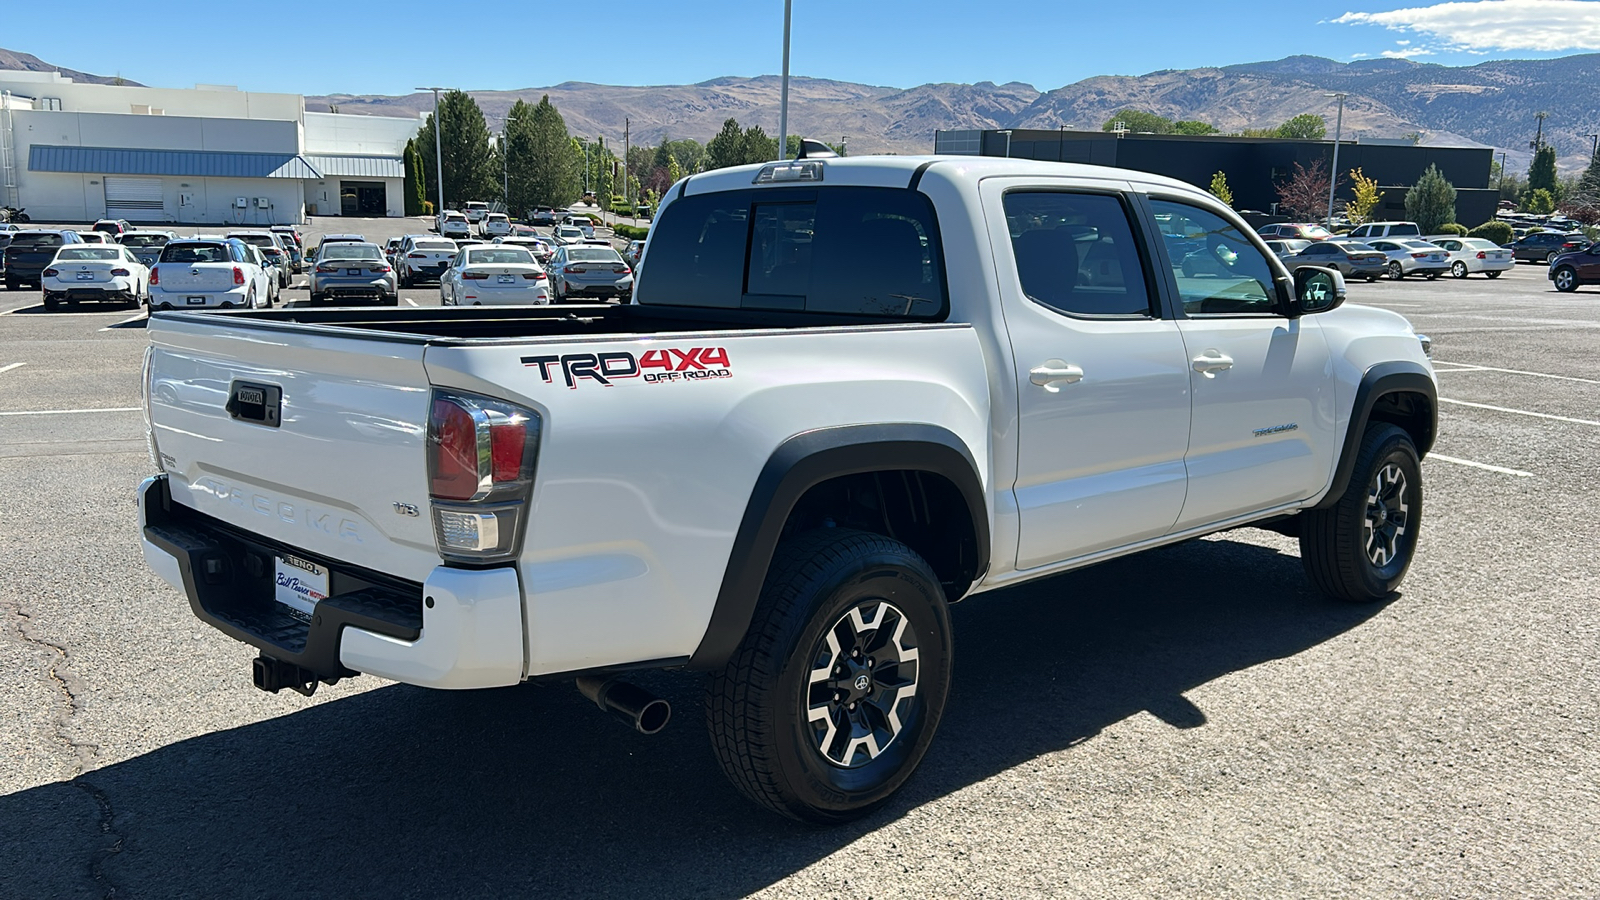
pixel 1359 548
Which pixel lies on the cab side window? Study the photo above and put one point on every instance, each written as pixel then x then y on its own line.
pixel 1218 270
pixel 1076 253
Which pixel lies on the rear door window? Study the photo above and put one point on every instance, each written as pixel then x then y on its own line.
pixel 845 250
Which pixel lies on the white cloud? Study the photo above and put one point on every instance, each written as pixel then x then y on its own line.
pixel 1360 55
pixel 1488 25
pixel 1402 43
pixel 1405 54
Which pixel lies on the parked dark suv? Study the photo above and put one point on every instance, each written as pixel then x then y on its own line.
pixel 1545 246
pixel 1576 267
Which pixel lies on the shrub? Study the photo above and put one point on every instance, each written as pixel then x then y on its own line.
pixel 1540 202
pixel 1454 228
pixel 1534 230
pixel 1497 232
pixel 427 207
pixel 630 232
pixel 1431 202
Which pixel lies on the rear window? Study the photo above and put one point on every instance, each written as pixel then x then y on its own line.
pixel 593 255
pixel 500 256
pixel 259 240
pixel 195 253
pixel 1403 228
pixel 352 251
pixel 70 253
pixel 36 239
pixel 138 241
pixel 435 245
pixel 844 250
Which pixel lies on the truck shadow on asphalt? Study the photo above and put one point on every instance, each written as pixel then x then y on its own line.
pixel 408 792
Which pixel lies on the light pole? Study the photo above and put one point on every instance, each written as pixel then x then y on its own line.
pixel 1333 176
pixel 1594 148
pixel 783 100
pixel 1502 186
pixel 1007 133
pixel 438 144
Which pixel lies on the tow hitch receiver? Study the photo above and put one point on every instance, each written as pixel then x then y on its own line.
pixel 272 675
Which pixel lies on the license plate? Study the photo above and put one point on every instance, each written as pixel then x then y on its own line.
pixel 507 279
pixel 299 584
pixel 195 300
pixel 85 276
pixel 352 271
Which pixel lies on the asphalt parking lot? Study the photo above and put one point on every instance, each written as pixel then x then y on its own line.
pixel 1192 722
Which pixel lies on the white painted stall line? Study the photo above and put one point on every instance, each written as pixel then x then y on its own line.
pixel 68 412
pixel 1522 412
pixel 5 369
pixel 1469 367
pixel 411 301
pixel 134 318
pixel 1478 465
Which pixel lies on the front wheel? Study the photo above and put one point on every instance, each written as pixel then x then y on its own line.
pixel 1359 548
pixel 1458 269
pixel 834 695
pixel 1396 271
pixel 1492 274
pixel 1566 279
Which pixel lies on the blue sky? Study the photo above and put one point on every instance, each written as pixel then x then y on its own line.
pixel 316 49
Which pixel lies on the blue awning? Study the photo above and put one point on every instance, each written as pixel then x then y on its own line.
pixel 358 166
pixel 186 163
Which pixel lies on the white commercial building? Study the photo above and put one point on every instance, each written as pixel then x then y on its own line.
pixel 212 155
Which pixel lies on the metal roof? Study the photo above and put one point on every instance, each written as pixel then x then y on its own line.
pixel 190 163
pixel 358 166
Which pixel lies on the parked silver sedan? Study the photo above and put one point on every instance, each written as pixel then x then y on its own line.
pixel 349 271
pixel 1469 255
pixel 588 271
pixel 1409 256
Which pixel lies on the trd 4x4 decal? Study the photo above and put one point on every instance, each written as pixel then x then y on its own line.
pixel 655 366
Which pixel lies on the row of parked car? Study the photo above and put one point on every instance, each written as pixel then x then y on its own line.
pixel 513 269
pixel 1399 249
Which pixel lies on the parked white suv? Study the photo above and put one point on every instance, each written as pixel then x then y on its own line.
pixel 1373 230
pixel 847 393
pixel 454 225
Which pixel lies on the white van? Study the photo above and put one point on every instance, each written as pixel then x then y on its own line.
pixel 1385 230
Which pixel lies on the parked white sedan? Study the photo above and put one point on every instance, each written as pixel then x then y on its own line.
pixel 1469 255
pixel 494 275
pixel 102 273
pixel 1409 256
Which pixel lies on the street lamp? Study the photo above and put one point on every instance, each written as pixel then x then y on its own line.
pixel 1333 176
pixel 783 101
pixel 1007 133
pixel 438 144
pixel 1594 147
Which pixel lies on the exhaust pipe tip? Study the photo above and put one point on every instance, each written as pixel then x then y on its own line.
pixel 636 707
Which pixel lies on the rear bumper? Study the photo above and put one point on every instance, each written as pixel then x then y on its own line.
pixel 462 628
pixel 160 298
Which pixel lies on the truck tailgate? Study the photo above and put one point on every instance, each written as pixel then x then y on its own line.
pixel 342 473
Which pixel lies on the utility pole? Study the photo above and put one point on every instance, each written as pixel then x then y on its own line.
pixel 1594 147
pixel 438 144
pixel 505 168
pixel 1502 186
pixel 627 184
pixel 783 101
pixel 1333 175
pixel 1538 139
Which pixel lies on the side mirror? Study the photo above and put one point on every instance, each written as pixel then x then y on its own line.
pixel 1315 290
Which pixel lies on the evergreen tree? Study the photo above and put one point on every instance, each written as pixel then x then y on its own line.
pixel 758 148
pixel 1542 173
pixel 1431 202
pixel 1219 188
pixel 469 172
pixel 545 156
pixel 413 190
pixel 727 148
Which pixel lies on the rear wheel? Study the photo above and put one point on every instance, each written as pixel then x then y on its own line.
pixel 1432 275
pixel 834 695
pixel 1566 279
pixel 1458 269
pixel 1396 271
pixel 13 285
pixel 1371 279
pixel 1550 257
pixel 51 303
pixel 1492 274
pixel 1359 548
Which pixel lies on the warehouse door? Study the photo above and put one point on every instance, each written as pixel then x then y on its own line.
pixel 363 198
pixel 136 199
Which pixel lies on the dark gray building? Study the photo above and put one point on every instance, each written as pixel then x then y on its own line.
pixel 1254 166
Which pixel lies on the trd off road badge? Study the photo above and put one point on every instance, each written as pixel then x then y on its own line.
pixel 654 367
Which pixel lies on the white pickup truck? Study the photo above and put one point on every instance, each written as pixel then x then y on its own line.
pixel 847 393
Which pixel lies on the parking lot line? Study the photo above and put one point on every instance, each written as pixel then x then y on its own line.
pixel 5 369
pixel 411 301
pixel 1469 367
pixel 1520 412
pixel 133 318
pixel 1478 465
pixel 64 412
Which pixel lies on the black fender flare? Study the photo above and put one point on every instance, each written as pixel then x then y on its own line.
pixel 802 462
pixel 1398 376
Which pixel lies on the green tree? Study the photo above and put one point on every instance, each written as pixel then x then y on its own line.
pixel 1542 172
pixel 1219 188
pixel 727 148
pixel 469 170
pixel 1539 202
pixel 690 154
pixel 1304 127
pixel 1136 120
pixel 758 148
pixel 1189 126
pixel 1589 181
pixel 414 189
pixel 546 168
pixel 1431 202
pixel 1367 195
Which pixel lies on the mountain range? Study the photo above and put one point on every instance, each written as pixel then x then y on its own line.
pixel 1489 104
pixel 27 62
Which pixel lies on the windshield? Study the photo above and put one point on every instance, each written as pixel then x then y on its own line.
pixel 501 255
pixel 144 240
pixel 195 253
pixel 352 251
pixel 593 255
pixel 36 239
pixel 88 253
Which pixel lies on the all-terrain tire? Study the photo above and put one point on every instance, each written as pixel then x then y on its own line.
pixel 1359 548
pixel 793 743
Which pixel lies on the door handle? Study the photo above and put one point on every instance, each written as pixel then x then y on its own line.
pixel 1053 374
pixel 1211 362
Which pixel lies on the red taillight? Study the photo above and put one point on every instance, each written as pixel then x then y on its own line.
pixel 381 270
pixel 1419 256
pixel 327 270
pixel 506 445
pixel 453 445
pixel 416 256
pixel 574 270
pixel 622 270
pixel 121 272
pixel 534 276
pixel 1482 255
pixel 50 273
pixel 238 275
pixel 474 276
pixel 155 275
